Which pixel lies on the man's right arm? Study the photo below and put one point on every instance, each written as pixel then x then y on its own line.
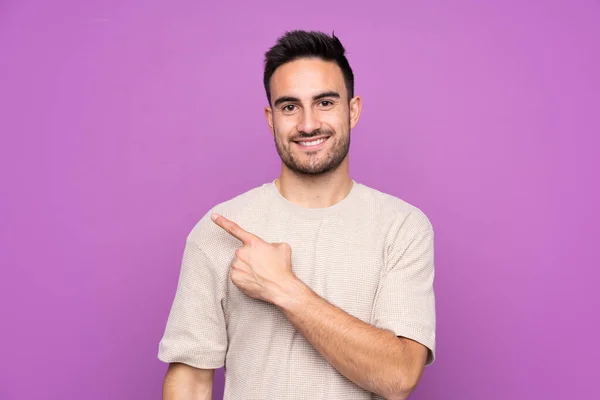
pixel 183 382
pixel 194 342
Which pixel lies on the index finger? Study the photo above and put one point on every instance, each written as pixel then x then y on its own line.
pixel 233 229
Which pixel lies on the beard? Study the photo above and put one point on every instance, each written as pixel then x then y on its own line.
pixel 317 163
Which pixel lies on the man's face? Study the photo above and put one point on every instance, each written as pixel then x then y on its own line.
pixel 310 116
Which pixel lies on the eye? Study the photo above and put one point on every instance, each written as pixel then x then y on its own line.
pixel 288 108
pixel 326 103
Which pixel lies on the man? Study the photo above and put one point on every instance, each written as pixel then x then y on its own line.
pixel 312 286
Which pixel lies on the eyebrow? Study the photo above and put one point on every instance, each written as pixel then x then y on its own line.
pixel 285 99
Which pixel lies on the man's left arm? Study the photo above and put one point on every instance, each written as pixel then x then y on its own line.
pixel 374 359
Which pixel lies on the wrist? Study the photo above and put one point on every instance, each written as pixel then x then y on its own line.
pixel 291 295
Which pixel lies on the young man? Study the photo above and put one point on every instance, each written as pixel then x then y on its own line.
pixel 312 286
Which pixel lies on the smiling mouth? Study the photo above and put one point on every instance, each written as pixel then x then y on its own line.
pixel 312 143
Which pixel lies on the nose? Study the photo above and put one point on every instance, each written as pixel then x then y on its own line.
pixel 309 121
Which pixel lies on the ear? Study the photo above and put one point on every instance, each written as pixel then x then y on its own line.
pixel 269 117
pixel 355 109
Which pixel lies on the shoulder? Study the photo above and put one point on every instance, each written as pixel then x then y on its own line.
pixel 401 214
pixel 241 209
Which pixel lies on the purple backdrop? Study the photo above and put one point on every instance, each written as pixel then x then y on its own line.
pixel 122 122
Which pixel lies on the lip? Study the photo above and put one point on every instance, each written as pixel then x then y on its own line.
pixel 312 148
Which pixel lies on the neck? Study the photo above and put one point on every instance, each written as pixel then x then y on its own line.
pixel 315 191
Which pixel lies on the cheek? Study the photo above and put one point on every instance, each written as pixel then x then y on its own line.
pixel 284 126
pixel 336 118
pixel 337 123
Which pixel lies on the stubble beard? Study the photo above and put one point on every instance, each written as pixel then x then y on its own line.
pixel 317 164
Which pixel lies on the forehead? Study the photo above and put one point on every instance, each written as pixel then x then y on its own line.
pixel 306 77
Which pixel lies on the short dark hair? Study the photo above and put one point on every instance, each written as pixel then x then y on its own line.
pixel 307 44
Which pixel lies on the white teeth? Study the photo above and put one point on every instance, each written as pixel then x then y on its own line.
pixel 313 143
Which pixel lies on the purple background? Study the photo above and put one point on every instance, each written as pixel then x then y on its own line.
pixel 122 122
